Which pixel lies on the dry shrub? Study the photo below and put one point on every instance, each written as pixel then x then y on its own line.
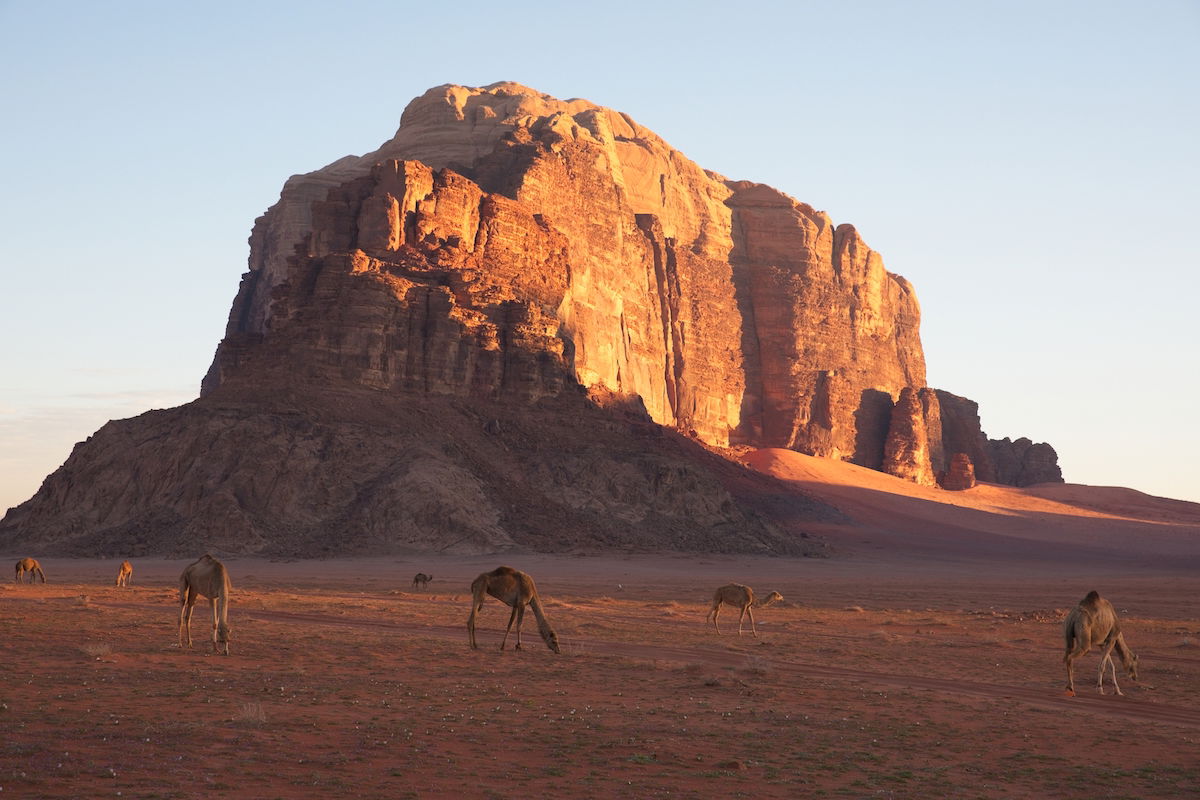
pixel 96 650
pixel 855 609
pixel 252 714
pixel 755 665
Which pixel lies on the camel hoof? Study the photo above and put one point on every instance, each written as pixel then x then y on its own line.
pixel 1069 693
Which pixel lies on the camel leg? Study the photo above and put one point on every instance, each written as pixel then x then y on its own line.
pixel 742 617
pixel 185 621
pixel 520 619
pixel 1106 657
pixel 216 647
pixel 753 629
pixel 471 625
pixel 1069 660
pixel 1114 676
pixel 715 611
pixel 511 618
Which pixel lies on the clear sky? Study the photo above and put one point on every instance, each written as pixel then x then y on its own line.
pixel 1031 166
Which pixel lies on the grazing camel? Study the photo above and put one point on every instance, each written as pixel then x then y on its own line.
pixel 421 579
pixel 123 574
pixel 1093 623
pixel 516 589
pixel 735 594
pixel 207 577
pixel 31 566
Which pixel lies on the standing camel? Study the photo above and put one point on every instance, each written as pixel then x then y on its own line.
pixel 735 594
pixel 516 589
pixel 207 577
pixel 1093 623
pixel 31 566
pixel 124 573
pixel 421 580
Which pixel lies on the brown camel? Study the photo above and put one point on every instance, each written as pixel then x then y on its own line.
pixel 1093 623
pixel 516 589
pixel 735 594
pixel 124 573
pixel 421 579
pixel 207 577
pixel 30 566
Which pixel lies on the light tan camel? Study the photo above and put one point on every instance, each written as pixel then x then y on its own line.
pixel 30 566
pixel 739 596
pixel 516 589
pixel 421 579
pixel 207 577
pixel 1093 623
pixel 124 573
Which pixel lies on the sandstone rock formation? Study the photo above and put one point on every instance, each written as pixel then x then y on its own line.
pixel 959 474
pixel 509 262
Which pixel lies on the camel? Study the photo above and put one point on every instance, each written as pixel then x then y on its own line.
pixel 421 579
pixel 735 594
pixel 513 588
pixel 1093 623
pixel 207 577
pixel 123 574
pixel 31 566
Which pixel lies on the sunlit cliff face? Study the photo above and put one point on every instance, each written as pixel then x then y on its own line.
pixel 544 242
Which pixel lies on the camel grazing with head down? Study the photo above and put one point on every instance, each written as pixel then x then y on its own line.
pixel 735 594
pixel 513 588
pixel 1093 623
pixel 124 573
pixel 30 566
pixel 421 580
pixel 207 577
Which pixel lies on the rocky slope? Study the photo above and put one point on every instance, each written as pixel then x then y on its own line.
pixel 507 250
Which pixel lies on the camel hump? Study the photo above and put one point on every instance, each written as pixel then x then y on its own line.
pixel 1092 597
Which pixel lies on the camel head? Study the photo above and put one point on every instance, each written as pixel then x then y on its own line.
pixel 551 638
pixel 1131 668
pixel 773 597
pixel 221 641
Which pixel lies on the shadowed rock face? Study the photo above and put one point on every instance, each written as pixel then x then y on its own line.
pixel 555 269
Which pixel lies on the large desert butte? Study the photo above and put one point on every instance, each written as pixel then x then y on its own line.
pixel 923 658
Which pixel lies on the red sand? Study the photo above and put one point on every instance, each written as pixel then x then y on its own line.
pixel 923 660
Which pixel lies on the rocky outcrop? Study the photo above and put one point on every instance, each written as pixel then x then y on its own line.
pixel 1023 463
pixel 907 452
pixel 308 473
pixel 513 227
pixel 959 474
pixel 523 322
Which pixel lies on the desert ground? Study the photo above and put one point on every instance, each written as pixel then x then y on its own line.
pixel 922 659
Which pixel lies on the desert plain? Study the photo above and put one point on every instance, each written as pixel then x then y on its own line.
pixel 922 658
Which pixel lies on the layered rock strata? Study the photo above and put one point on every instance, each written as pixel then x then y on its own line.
pixel 508 254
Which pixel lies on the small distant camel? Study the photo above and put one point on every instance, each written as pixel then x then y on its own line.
pixel 124 573
pixel 739 596
pixel 207 577
pixel 31 566
pixel 513 588
pixel 421 580
pixel 1093 623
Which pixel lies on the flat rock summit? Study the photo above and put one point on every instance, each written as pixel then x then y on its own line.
pixel 527 323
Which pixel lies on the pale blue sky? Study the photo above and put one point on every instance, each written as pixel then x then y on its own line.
pixel 1031 167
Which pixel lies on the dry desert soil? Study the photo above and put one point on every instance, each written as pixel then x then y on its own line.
pixel 918 661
